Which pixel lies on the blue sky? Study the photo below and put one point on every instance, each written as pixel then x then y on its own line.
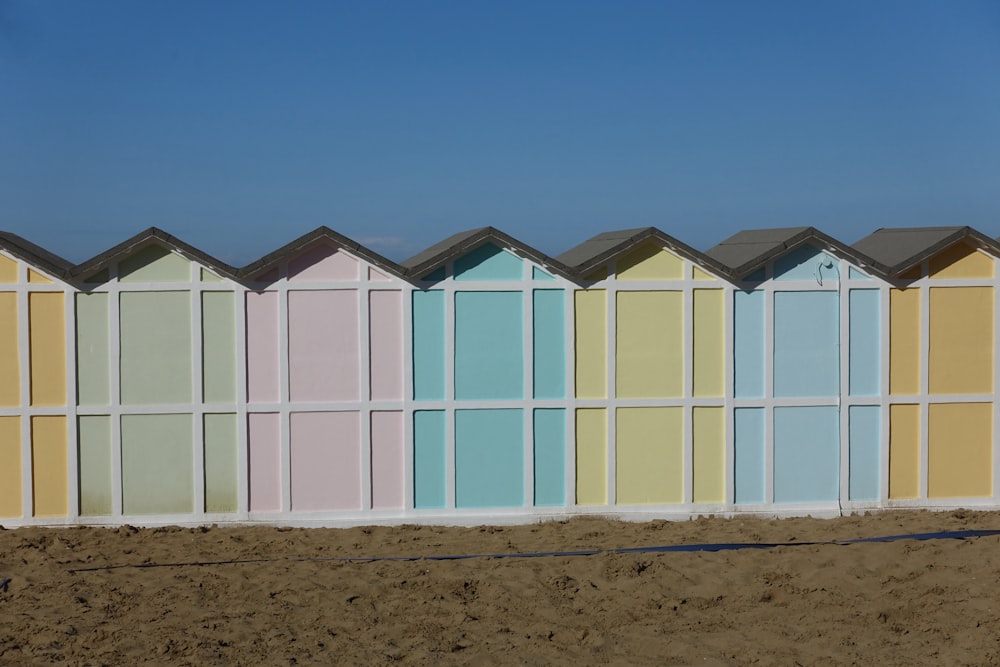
pixel 238 126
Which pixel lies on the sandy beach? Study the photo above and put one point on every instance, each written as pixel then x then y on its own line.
pixel 75 597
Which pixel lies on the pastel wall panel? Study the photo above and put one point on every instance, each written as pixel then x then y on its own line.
pixel 218 315
pixel 865 423
pixel 93 362
pixel 429 491
pixel 488 262
pixel 709 454
pixel 10 453
pixel 157 464
pixel 323 263
pixel 10 359
pixel 550 457
pixel 324 353
pixel 748 429
pixel 591 456
pixel 489 345
pixel 47 345
pixel 865 343
pixel 221 469
pixel 961 261
pixel 50 481
pixel 806 263
pixel 961 340
pixel 591 344
pixel 806 454
pixel 428 345
pixel 650 347
pixel 388 460
pixel 650 262
pixel 904 341
pixel 95 465
pixel 326 461
pixel 386 339
pixel 904 451
pixel 8 270
pixel 155 347
pixel 806 344
pixel 748 344
pixel 709 342
pixel 549 343
pixel 649 455
pixel 263 372
pixel 154 264
pixel 959 450
pixel 264 450
pixel 489 458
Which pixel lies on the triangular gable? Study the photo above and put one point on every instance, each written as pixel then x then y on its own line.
pixel 45 266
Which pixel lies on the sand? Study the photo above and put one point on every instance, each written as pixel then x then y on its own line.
pixel 900 603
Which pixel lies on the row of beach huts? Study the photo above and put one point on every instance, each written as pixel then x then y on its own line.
pixel 481 381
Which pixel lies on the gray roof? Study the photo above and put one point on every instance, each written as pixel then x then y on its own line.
pixel 271 259
pixel 459 244
pixel 151 236
pixel 901 248
pixel 35 255
pixel 599 249
pixel 749 250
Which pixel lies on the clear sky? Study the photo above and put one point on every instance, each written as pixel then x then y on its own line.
pixel 239 125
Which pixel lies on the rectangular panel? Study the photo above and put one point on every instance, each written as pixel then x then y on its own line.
pixel 388 461
pixel 264 435
pixel 748 344
pixel 865 452
pixel 806 344
pixel 324 354
pixel 157 464
pixel 904 451
pixel 959 450
pixel 865 342
pixel 10 357
pixel 649 455
pixel 749 474
pixel 709 453
pixel 47 326
pixel 591 456
pixel 650 345
pixel 429 459
pixel 50 482
pixel 96 485
pixel 326 461
pixel 428 345
pixel 806 454
pixel 93 359
pixel 591 344
pixel 904 341
pixel 489 345
pixel 263 371
pixel 550 458
pixel 385 335
pixel 10 455
pixel 549 344
pixel 155 347
pixel 961 340
pixel 709 342
pixel 218 321
pixel 221 471
pixel 489 458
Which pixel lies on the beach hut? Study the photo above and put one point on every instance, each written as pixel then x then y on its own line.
pixel 491 382
pixel 36 411
pixel 158 353
pixel 651 374
pixel 809 371
pixel 326 326
pixel 942 379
